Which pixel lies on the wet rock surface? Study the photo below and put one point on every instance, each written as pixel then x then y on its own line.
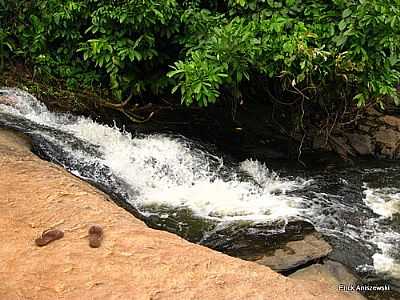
pixel 297 246
pixel 391 121
pixel 7 100
pixel 296 253
pixel 376 134
pixel 388 140
pixel 134 261
pixel 352 256
pixel 361 143
pixel 330 272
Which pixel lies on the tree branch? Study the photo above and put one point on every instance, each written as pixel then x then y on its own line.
pixel 117 105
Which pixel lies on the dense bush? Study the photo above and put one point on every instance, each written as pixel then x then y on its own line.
pixel 201 49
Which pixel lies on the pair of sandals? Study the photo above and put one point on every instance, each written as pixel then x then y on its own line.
pixel 95 236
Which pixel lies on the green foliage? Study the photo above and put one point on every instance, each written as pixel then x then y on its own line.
pixel 202 49
pixel 6 40
pixel 5 46
pixel 93 42
pixel 123 40
pixel 198 79
pixel 311 46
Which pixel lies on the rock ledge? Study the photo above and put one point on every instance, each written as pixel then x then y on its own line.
pixel 133 262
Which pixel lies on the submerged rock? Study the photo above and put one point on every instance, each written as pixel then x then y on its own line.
pixel 282 247
pixel 247 240
pixel 331 271
pixel 296 253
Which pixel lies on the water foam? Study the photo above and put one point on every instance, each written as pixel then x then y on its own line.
pixel 168 171
pixel 384 262
pixel 385 202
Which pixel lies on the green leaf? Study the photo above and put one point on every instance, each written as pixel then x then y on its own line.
pixel 360 98
pixel 175 88
pixel 342 25
pixel 340 40
pixel 347 12
pixel 396 99
pixel 174 72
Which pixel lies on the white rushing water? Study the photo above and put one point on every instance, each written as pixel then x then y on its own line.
pixel 168 171
pixel 385 202
pixel 165 171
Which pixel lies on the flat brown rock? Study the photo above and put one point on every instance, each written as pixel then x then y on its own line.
pixel 296 253
pixel 391 120
pixel 133 262
pixel 388 137
pixel 330 272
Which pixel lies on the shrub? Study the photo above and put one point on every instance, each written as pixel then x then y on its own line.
pixel 202 49
pixel 311 47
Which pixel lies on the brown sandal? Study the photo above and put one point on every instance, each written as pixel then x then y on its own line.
pixel 49 236
pixel 95 236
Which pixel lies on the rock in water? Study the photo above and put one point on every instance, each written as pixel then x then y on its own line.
pixel 332 273
pixel 298 245
pixel 362 143
pixel 388 140
pixel 144 263
pixel 294 254
pixel 7 100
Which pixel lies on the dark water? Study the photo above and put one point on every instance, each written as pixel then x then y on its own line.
pixel 189 188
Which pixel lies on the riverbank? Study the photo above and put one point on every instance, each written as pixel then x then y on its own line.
pixel 134 262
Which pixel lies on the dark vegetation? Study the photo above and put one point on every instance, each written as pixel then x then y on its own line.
pixel 301 55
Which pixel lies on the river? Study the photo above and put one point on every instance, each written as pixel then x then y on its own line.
pixel 177 184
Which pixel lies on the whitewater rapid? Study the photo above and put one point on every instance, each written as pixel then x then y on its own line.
pixel 169 173
pixel 385 202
